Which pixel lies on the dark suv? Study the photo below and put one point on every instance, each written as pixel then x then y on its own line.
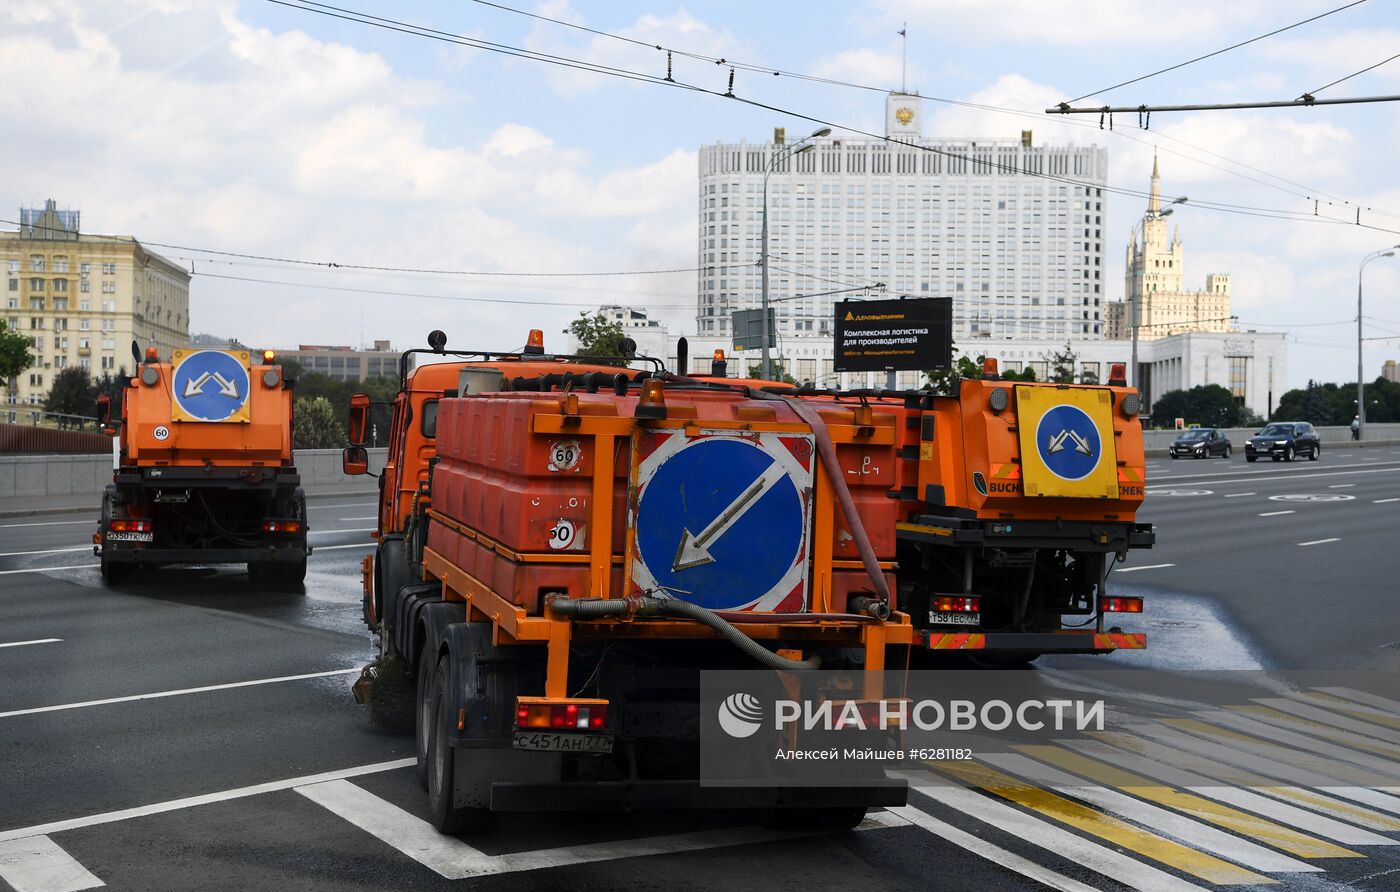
pixel 1201 442
pixel 1284 440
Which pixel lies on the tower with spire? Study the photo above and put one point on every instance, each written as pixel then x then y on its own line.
pixel 1153 277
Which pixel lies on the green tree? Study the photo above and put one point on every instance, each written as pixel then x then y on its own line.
pixel 1025 374
pixel 1061 365
pixel 780 372
pixel 71 393
pixel 945 381
pixel 315 424
pixel 1207 405
pixel 111 386
pixel 597 336
pixel 14 353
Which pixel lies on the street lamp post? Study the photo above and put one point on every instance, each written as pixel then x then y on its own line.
pixel 797 148
pixel 1360 377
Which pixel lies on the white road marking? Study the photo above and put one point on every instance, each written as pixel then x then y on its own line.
pixel 349 519
pixel 49 569
pixel 1303 770
pixel 1163 822
pixel 38 864
pixel 1329 718
pixel 1259 477
pixel 321 548
pixel 45 551
pixel 1156 761
pixel 50 523
pixel 1318 542
pixel 1384 704
pixel 177 693
pixel 170 805
pixel 1144 567
pixel 326 532
pixel 1307 742
pixel 1238 495
pixel 35 641
pixel 995 854
pixel 1340 485
pixel 1383 501
pixel 1275 513
pixel 454 859
pixel 1115 865
pixel 341 505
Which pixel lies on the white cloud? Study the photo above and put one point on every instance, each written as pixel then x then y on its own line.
pixel 289 145
pixel 1077 22
pixel 868 66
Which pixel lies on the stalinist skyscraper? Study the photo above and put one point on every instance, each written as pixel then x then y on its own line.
pixel 1153 278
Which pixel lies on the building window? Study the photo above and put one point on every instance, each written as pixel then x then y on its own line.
pixel 60 284
pixel 85 286
pixel 1239 370
pixel 109 362
pixel 85 268
pixel 109 269
pixel 36 380
pixel 109 287
pixel 36 263
pixel 36 284
pixel 60 263
pixel 14 284
pixel 84 324
pixel 14 266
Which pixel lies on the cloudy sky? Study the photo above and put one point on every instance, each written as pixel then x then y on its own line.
pixel 256 128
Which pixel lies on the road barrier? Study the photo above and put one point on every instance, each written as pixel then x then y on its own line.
pixel 1157 442
pixel 69 475
pixel 23 439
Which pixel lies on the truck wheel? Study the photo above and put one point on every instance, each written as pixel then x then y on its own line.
pixel 447 818
pixel 830 819
pixel 114 573
pixel 422 725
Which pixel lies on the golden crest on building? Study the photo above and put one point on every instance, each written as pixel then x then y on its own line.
pixel 904 115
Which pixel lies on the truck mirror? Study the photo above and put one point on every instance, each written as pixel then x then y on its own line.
pixel 359 418
pixel 104 409
pixel 354 461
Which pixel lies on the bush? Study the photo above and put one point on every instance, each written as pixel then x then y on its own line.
pixel 315 425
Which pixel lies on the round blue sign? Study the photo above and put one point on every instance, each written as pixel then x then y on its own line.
pixel 210 385
pixel 720 523
pixel 1069 443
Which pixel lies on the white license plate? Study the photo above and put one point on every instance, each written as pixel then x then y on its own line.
pixel 563 742
pixel 938 617
pixel 130 537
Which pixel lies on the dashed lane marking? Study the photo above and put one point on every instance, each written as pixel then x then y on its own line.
pixel 1318 542
pixel 49 523
pixel 177 693
pixel 1240 495
pixel 38 864
pixel 35 641
pixel 1276 513
pixel 1383 501
pixel 320 548
pixel 45 551
pixel 1340 485
pixel 350 519
pixel 1144 567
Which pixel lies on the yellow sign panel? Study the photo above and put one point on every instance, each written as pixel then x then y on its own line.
pixel 1067 446
pixel 210 386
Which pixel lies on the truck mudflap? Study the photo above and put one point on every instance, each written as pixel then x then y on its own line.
pixel 649 795
pixel 1035 642
pixel 1079 535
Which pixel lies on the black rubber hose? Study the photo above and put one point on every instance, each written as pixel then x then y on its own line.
pixel 598 608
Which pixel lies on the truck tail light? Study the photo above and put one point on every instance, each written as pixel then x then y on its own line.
pixel 957 604
pixel 1122 605
pixel 131 526
pixel 561 715
pixel 281 526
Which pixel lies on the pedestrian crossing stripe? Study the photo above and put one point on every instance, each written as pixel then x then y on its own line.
pixel 1110 829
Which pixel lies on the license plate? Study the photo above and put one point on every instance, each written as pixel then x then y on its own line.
pixel 568 743
pixel 938 617
pixel 130 537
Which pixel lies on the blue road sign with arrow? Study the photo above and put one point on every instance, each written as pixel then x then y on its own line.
pixel 1069 442
pixel 721 521
pixel 210 385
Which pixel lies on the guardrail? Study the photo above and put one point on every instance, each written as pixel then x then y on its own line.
pixel 68 475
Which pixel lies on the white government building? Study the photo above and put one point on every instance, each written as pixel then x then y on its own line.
pixel 1020 254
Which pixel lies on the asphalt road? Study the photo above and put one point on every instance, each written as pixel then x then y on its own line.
pixel 191 731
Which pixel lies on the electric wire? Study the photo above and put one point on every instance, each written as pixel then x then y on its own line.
pixel 1218 52
pixel 419 31
pixel 1352 75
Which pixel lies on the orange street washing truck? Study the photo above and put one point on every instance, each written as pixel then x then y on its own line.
pixel 564 545
pixel 203 473
pixel 588 539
